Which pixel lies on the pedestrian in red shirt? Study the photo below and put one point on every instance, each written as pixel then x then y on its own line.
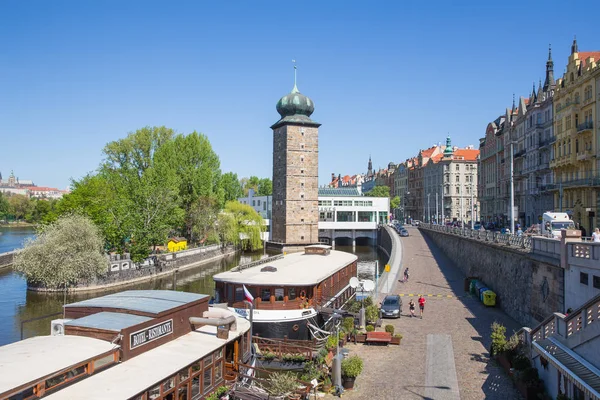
pixel 422 302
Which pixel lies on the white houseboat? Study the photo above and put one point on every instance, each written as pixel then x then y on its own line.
pixel 288 289
pixel 138 344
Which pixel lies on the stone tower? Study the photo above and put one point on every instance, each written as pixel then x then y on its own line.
pixel 295 172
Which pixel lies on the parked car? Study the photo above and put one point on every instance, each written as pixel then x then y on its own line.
pixel 391 306
pixel 403 232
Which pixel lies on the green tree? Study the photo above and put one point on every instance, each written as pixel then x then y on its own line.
pixel 379 191
pixel 4 207
pixel 231 186
pixel 265 187
pixel 394 203
pixel 250 183
pixel 203 219
pixel 19 206
pixel 64 253
pixel 139 169
pixel 41 211
pixel 241 224
pixel 198 173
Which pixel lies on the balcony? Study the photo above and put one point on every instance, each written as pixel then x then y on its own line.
pixel 592 181
pixel 547 142
pixel 520 153
pixel 585 127
pixel 584 155
pixel 534 191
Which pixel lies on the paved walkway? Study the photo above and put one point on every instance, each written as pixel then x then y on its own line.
pixel 445 354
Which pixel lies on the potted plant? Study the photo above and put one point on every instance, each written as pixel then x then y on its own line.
pixel 332 342
pixel 390 329
pixel 351 368
pixel 360 337
pixel 372 314
pixel 369 328
pixel 282 383
pixel 348 324
pixel 326 385
pixel 342 338
pixel 396 339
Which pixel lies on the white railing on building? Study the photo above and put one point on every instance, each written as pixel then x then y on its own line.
pixel 523 241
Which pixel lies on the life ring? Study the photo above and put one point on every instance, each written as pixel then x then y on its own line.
pixel 302 295
pixel 295 327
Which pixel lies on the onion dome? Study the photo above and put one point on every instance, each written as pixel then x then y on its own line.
pixel 295 103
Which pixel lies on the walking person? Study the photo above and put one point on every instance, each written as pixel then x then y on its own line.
pixel 411 306
pixel 406 275
pixel 422 302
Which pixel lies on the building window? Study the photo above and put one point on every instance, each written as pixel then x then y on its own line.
pixel 596 281
pixel 253 203
pixel 259 203
pixel 583 278
pixel 301 171
pixel 301 237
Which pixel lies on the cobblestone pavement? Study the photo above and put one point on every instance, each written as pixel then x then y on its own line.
pixel 399 372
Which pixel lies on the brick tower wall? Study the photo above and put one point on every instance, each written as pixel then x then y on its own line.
pixel 295 184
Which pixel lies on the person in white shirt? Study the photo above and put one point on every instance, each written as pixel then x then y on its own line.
pixel 596 236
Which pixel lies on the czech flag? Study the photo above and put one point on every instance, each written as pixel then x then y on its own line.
pixel 248 296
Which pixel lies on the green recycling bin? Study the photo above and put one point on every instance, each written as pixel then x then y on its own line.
pixel 489 298
pixel 472 286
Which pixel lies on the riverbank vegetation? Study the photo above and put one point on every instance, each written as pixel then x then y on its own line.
pixel 64 253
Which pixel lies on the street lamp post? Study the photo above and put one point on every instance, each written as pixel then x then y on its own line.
pixel 472 215
pixel 512 190
pixel 437 215
pixel 428 209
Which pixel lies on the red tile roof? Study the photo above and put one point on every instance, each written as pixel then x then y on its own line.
pixel 467 154
pixel 586 54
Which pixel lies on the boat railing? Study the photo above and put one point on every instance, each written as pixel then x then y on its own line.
pixel 281 347
pixel 25 321
pixel 257 390
pixel 257 262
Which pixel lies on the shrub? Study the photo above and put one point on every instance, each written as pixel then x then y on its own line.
pixel 521 362
pixel 354 306
pixel 530 376
pixel 352 366
pixel 310 372
pixel 369 328
pixel 498 337
pixel 332 342
pixel 327 381
pixel 64 253
pixel 372 313
pixel 281 383
pixel 342 335
pixel 268 356
pixel 216 395
pixel 399 336
pixel 368 301
pixel 348 324
pixel 390 329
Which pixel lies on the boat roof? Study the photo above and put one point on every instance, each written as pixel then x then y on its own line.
pixel 149 301
pixel 296 269
pixel 31 359
pixel 131 377
pixel 109 321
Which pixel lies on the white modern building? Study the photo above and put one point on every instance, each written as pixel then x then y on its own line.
pixel 343 214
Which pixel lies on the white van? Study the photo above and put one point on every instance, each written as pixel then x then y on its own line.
pixel 553 222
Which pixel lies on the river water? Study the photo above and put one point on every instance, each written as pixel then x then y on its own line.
pixel 17 304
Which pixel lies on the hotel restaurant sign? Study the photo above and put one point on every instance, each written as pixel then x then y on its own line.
pixel 147 335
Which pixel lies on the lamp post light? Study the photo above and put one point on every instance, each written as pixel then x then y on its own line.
pixel 428 209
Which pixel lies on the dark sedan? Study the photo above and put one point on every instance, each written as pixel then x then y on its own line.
pixel 391 307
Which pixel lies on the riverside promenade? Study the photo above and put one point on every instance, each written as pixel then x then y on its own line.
pixel 445 354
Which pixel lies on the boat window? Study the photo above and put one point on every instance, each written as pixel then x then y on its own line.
pixel 239 294
pixel 65 377
pixel 207 379
pixel 208 360
pixel 183 391
pixel 170 396
pixel 195 386
pixel 279 294
pixel 154 393
pixel 104 361
pixel 196 367
pixel 25 394
pixel 292 293
pixel 218 371
pixel 265 295
pixel 169 384
pixel 219 353
pixel 184 374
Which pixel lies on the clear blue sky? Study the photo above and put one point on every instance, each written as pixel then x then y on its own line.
pixel 387 78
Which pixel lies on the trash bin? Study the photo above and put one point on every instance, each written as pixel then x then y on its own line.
pixel 481 291
pixel 489 298
pixel 478 286
pixel 468 281
pixel 472 286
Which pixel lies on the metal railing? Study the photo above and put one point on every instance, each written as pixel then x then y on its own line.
pixel 585 126
pixel 37 319
pixel 523 242
pixel 257 262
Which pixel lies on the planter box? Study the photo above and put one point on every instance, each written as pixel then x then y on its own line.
pixel 361 338
pixel 396 340
pixel 503 361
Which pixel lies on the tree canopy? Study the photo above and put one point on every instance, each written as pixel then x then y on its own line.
pixel 64 253
pixel 395 202
pixel 241 224
pixel 379 191
pixel 261 187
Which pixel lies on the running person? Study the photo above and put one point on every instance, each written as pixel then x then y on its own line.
pixel 411 306
pixel 422 302
pixel 406 275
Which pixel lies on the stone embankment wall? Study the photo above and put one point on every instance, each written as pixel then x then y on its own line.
pixel 6 259
pixel 528 287
pixel 384 241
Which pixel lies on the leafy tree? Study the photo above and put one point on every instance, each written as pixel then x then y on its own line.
pixel 203 218
pixel 379 191
pixel 139 170
pixel 41 210
pixel 64 253
pixel 250 183
pixel 198 173
pixel 4 207
pixel 241 224
pixel 265 187
pixel 231 186
pixel 394 203
pixel 19 206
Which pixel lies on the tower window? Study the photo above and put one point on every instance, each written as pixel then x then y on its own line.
pixel 302 184
pixel 301 171
pixel 302 145
pixel 302 220
pixel 302 237
pixel 301 196
pixel 301 158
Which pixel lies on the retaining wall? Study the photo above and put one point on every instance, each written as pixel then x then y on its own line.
pixel 528 287
pixel 6 259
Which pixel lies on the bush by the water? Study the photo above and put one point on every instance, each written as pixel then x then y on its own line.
pixel 65 252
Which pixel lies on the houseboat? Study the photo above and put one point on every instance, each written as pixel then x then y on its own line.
pixel 138 344
pixel 287 290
